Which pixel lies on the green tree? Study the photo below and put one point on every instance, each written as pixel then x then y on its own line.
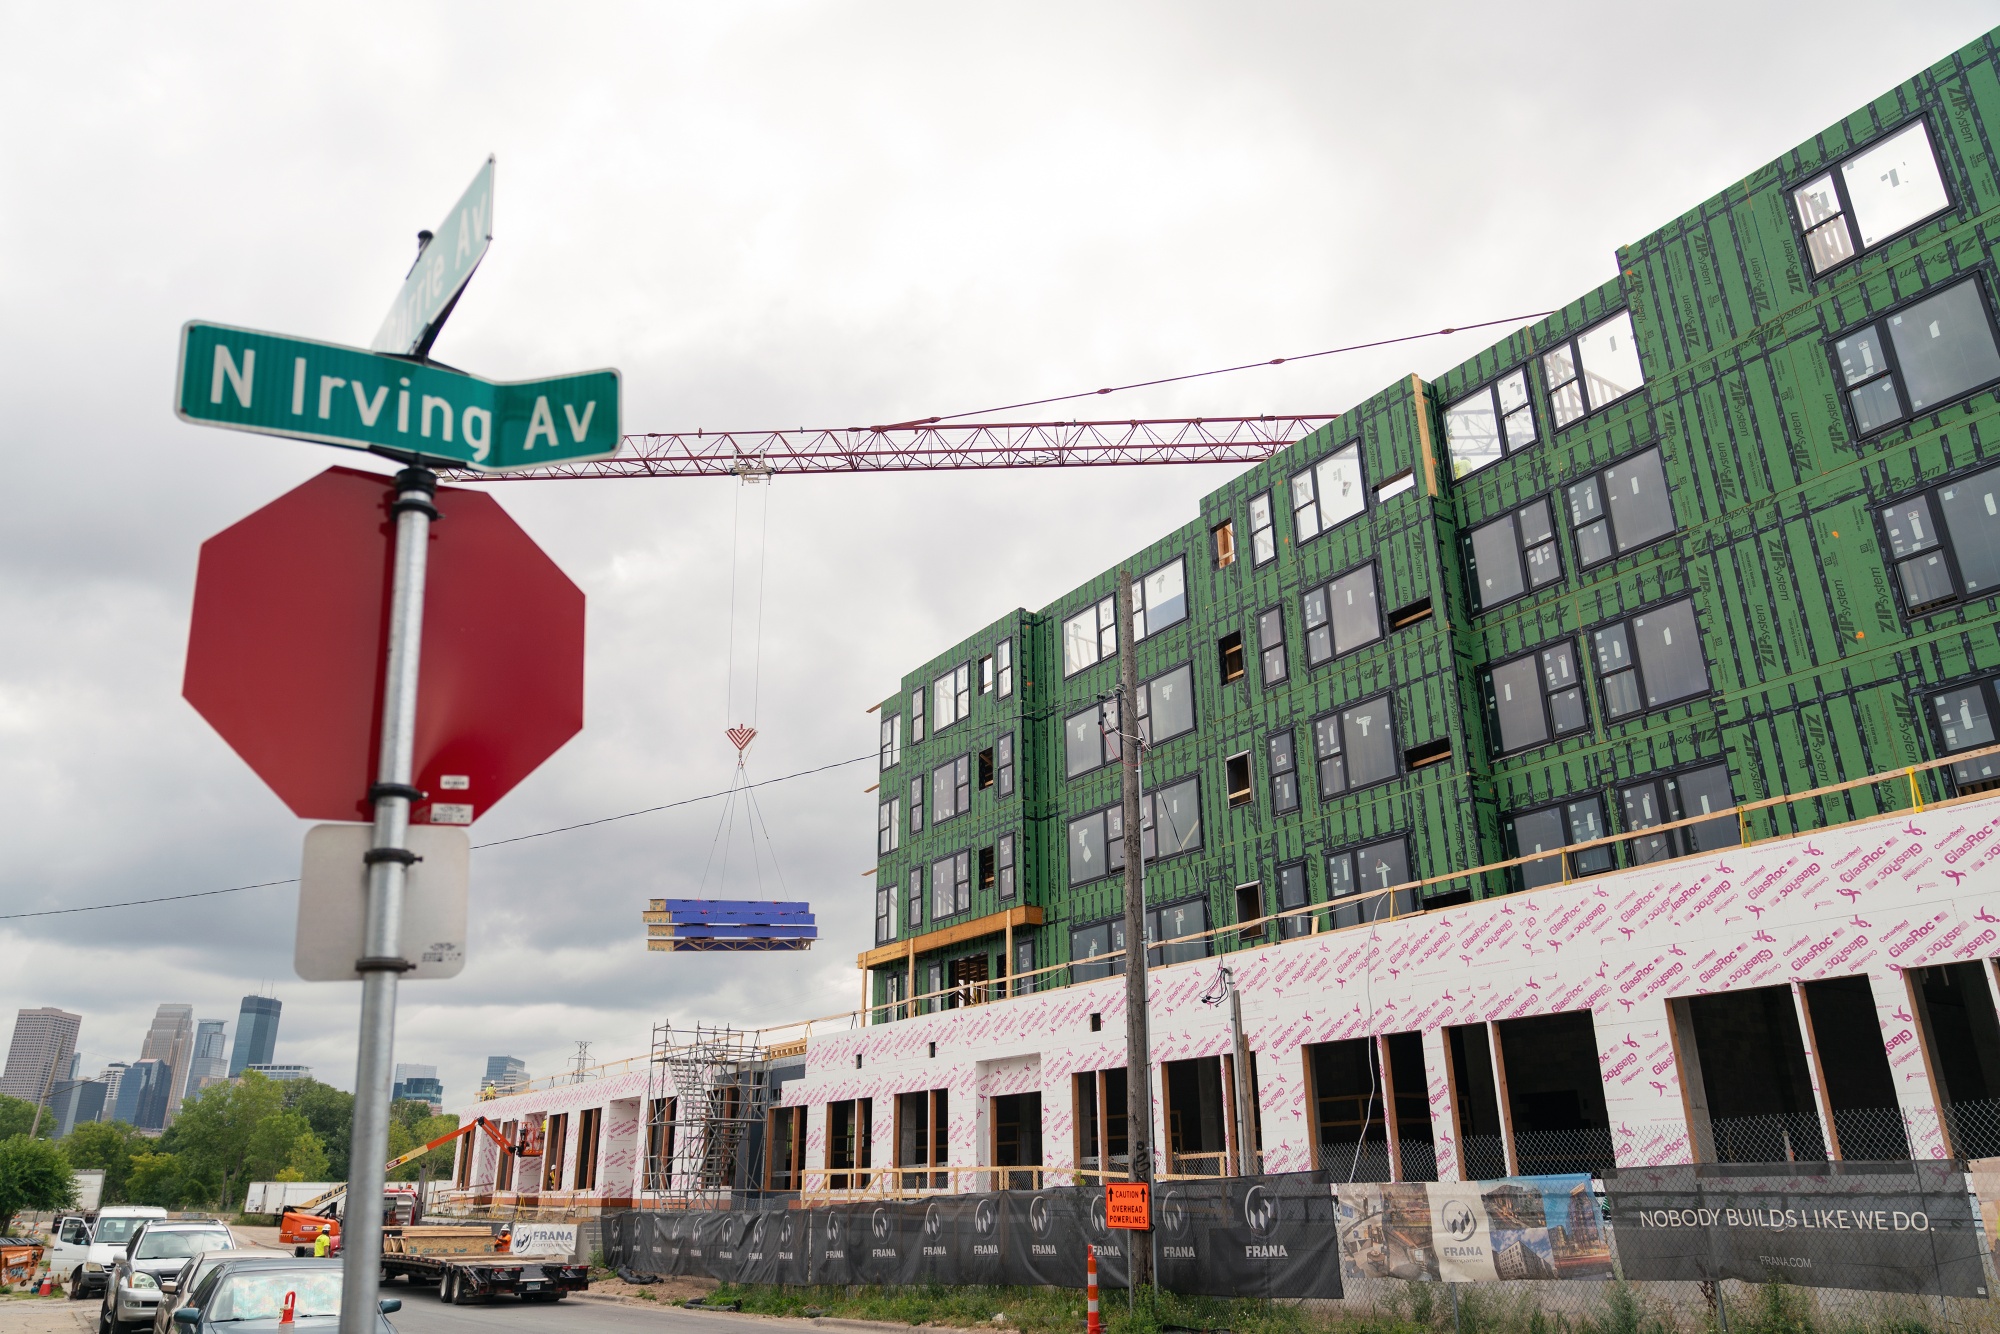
pixel 34 1174
pixel 159 1179
pixel 418 1132
pixel 331 1115
pixel 307 1161
pixel 272 1140
pixel 108 1145
pixel 17 1114
pixel 216 1140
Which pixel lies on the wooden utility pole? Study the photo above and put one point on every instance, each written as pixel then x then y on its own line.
pixel 1138 1042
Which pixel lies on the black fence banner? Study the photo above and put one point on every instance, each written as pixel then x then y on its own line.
pixel 1879 1227
pixel 1267 1236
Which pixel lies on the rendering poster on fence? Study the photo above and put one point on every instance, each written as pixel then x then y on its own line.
pixel 1538 1227
pixel 1880 1227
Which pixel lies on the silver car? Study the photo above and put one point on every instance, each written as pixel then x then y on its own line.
pixel 159 1250
pixel 232 1299
pixel 197 1270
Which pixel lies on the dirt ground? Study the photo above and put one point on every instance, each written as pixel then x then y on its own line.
pixel 667 1289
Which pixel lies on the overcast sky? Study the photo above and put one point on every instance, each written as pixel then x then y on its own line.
pixel 764 215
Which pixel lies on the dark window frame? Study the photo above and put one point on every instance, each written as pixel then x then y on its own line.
pixel 889 826
pixel 1589 640
pixel 1674 842
pixel 1110 747
pixel 1003 765
pixel 961 785
pixel 1402 900
pixel 1600 860
pixel 1003 663
pixel 1980 278
pixel 1282 804
pixel 1833 167
pixel 1544 696
pixel 1264 649
pixel 1115 863
pixel 1374 569
pixel 1007 851
pixel 885 913
pixel 892 742
pixel 1339 713
pixel 1311 470
pixel 913 906
pixel 1302 924
pixel 1269 529
pixel 1521 550
pixel 1597 476
pixel 961 884
pixel 1574 342
pixel 1989 688
pixel 1490 390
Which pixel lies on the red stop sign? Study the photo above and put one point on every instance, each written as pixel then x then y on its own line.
pixel 285 654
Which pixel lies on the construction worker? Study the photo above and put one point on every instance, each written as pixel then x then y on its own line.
pixel 323 1243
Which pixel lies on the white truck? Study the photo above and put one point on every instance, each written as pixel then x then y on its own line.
pixel 274 1197
pixel 89 1188
pixel 82 1253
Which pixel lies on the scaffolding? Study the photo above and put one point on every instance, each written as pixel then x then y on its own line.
pixel 707 1091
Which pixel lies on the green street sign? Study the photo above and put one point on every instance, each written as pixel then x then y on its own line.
pixel 442 269
pixel 273 385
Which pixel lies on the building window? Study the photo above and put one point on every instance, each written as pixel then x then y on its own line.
pixel 1160 599
pixel 1263 542
pixel 1940 563
pixel 1006 870
pixel 1229 652
pixel 1535 697
pixel 1513 555
pixel 916 715
pixel 889 826
pixel 892 741
pixel 1172 922
pixel 1284 772
pixel 1558 826
pixel 986 675
pixel 1919 358
pixel 1342 616
pixel 885 907
pixel 1169 824
pixel 1089 943
pixel 1292 894
pixel 1363 870
pixel 1090 636
pixel 1236 779
pixel 1496 421
pixel 1224 537
pixel 917 804
pixel 986 768
pixel 1003 661
pixel 1886 188
pixel 1090 738
pixel 1650 660
pixel 951 697
pixel 1271 645
pixel 1674 797
pixel 1396 486
pixel 913 911
pixel 951 790
pixel 1592 370
pixel 989 868
pixel 849 1132
pixel 1355 747
pixel 1024 964
pixel 1620 509
pixel 923 1135
pixel 1328 494
pixel 1003 763
pixel 951 885
pixel 1166 710
pixel 1965 722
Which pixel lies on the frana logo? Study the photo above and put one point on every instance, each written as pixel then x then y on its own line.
pixel 832 1229
pixel 985 1218
pixel 757 1234
pixel 785 1232
pixel 1459 1224
pixel 1039 1216
pixel 1097 1215
pixel 933 1221
pixel 1260 1211
pixel 1173 1213
pixel 878 1223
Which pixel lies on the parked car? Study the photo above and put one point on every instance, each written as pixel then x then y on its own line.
pixel 159 1249
pixel 234 1298
pixel 199 1268
pixel 83 1252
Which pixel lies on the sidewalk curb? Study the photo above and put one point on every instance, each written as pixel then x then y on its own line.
pixel 814 1322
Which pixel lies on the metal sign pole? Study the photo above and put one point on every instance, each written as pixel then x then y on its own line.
pixel 382 963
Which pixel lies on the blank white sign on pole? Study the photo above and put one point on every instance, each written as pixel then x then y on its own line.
pixel 333 886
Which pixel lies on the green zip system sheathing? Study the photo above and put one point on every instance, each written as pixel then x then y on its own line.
pixel 1817 670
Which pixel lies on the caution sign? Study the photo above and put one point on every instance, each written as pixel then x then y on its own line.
pixel 1126 1206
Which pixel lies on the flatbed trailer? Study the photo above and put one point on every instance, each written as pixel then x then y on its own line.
pixel 467 1278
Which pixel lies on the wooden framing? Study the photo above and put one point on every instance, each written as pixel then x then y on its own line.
pixel 1822 1100
pixel 1498 1056
pixel 992 924
pixel 1391 1115
pixel 589 1131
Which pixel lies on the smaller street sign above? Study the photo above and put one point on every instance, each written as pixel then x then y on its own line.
pixel 333 893
pixel 442 269
pixel 270 384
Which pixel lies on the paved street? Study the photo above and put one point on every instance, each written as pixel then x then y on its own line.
pixel 424 1314
pixel 46 1317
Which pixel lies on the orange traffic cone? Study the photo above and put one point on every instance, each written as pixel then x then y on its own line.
pixel 1093 1324
pixel 48 1284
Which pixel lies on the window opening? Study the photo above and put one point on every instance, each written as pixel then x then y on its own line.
pixel 1651 660
pixel 951 789
pixel 1937 564
pixel 916 715
pixel 1362 870
pixel 1355 748
pixel 1919 358
pixel 1197 1116
pixel 1555 1095
pixel 989 867
pixel 1475 1104
pixel 1751 1074
pixel 1557 826
pixel 1846 1036
pixel 1396 486
pixel 913 910
pixel 1356 1095
pixel 1292 893
pixel 1593 370
pixel 1284 772
pixel 917 804
pixel 889 826
pixel 1621 509
pixel 986 675
pixel 885 926
pixel 923 1137
pixel 1341 617
pixel 1271 646
pixel 1099 1099
pixel 1437 751
pixel 1955 1007
pixel 1169 824
pixel 986 768
pixel 951 885
pixel 1535 698
pixel 1484 427
pixel 1090 636
pixel 1224 537
pixel 1236 776
pixel 1263 542
pixel 1415 614
pixel 1003 659
pixel 849 1142
pixel 1017 1139
pixel 1006 866
pixel 1512 556
pixel 951 697
pixel 1250 907
pixel 1003 760
pixel 892 741
pixel 1229 651
pixel 784 1164
pixel 1886 188
pixel 1328 494
pixel 1680 797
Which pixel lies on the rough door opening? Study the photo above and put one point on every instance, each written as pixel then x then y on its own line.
pixel 1555 1094
pixel 1482 1142
pixel 1236 771
pixel 923 1137
pixel 1225 543
pixel 1196 1106
pixel 784 1162
pixel 1749 1075
pixel 1230 649
pixel 1101 1146
pixel 588 1124
pixel 968 976
pixel 986 768
pixel 1854 1071
pixel 1017 1139
pixel 1250 907
pixel 503 1171
pixel 1962 1039
pixel 849 1143
pixel 555 1144
pixel 659 1143
pixel 1356 1105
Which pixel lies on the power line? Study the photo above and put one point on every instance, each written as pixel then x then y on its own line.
pixel 496 843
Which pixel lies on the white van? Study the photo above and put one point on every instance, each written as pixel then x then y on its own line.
pixel 82 1253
